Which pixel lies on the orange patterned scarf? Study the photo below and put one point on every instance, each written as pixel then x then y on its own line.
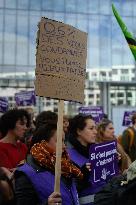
pixel 46 157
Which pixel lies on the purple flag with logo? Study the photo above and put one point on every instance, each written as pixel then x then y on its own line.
pixel 104 161
pixel 95 111
pixel 25 98
pixel 3 104
pixel 127 118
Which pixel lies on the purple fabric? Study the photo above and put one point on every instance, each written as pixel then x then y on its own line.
pixel 77 157
pixel 43 183
pixel 80 160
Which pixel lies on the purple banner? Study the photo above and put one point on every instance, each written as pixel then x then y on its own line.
pixel 3 104
pixel 95 111
pixel 25 98
pixel 104 162
pixel 127 118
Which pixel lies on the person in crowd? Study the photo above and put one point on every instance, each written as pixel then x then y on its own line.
pixel 29 133
pixel 34 181
pixel 105 133
pixel 44 117
pixel 129 135
pixel 82 135
pixel 65 127
pixel 65 124
pixel 13 125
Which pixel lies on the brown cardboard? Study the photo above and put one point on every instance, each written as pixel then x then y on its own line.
pixel 60 61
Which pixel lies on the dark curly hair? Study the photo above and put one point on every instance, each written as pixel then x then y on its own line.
pixel 8 120
pixel 78 122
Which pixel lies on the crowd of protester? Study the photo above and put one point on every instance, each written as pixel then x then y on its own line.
pixel 28 155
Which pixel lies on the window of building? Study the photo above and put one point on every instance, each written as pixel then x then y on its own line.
pixel 120 102
pixel 35 5
pixel 10 38
pixel 22 39
pixel 23 4
pixel 10 4
pixel 112 95
pixel 59 5
pixel 124 71
pixel 129 94
pixel 128 102
pixel 133 70
pixel 47 4
pixel 97 95
pixel 103 73
pixel 114 71
pixel 90 103
pixel 98 102
pixel 82 6
pixel 93 7
pixel 90 95
pixel 55 109
pixel 70 5
pixel 120 94
pixel 48 103
pixel 105 6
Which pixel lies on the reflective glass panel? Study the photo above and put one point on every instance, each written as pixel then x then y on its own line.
pixel 23 4
pixel 9 39
pixel 93 42
pixel 70 5
pixel 10 4
pixel 22 39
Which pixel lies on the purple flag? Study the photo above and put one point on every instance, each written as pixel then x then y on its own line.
pixel 95 111
pixel 127 118
pixel 3 104
pixel 25 98
pixel 104 161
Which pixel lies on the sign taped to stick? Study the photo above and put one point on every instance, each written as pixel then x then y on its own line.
pixel 60 61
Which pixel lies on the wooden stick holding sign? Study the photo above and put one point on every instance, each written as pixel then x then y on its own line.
pixel 60 71
pixel 59 146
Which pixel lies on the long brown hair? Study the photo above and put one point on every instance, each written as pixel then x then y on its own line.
pixel 101 127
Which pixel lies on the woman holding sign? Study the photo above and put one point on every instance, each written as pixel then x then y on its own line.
pixel 105 134
pixel 82 135
pixel 34 181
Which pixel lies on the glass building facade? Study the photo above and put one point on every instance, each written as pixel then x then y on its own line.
pixel 107 46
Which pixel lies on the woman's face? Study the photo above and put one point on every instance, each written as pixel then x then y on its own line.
pixel 88 134
pixel 20 129
pixel 109 131
pixel 53 141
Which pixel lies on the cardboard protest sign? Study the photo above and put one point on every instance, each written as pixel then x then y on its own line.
pixel 127 118
pixel 60 61
pixel 95 111
pixel 3 104
pixel 104 162
pixel 25 98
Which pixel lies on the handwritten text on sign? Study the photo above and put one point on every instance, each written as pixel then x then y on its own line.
pixel 61 57
pixel 104 162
